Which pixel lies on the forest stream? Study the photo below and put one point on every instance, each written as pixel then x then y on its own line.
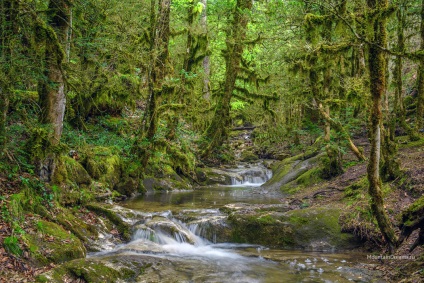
pixel 179 234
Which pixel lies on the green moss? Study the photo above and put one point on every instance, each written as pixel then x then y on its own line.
pixel 75 171
pixel 414 214
pixel 103 164
pixel 95 270
pixel 88 271
pixel 53 244
pixel 74 224
pixel 260 229
pixel 248 156
pixel 311 228
pixel 266 219
pixel 418 143
pixel 357 189
pixel 310 177
pixel 280 169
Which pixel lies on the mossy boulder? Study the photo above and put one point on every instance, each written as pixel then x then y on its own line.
pixel 122 268
pixel 52 244
pixel 76 172
pixel 70 172
pixel 213 176
pixel 85 232
pixel 315 229
pixel 90 271
pixel 153 184
pixel 104 165
pixel 248 156
pixel 294 173
pixel 129 186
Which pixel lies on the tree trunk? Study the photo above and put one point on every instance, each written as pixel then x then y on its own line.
pixel 399 113
pixel 4 106
pixel 52 91
pixel 420 102
pixel 158 69
pixel 8 16
pixel 339 128
pixel 206 61
pixel 216 133
pixel 377 70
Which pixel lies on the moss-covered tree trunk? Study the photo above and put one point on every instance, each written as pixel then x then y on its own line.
pixel 8 14
pixel 399 112
pixel 206 61
pixel 52 97
pixel 52 91
pixel 420 82
pixel 216 133
pixel 157 71
pixel 377 71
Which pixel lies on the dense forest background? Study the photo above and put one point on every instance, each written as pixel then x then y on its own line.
pixel 97 96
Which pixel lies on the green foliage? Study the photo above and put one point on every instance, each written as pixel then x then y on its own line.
pixel 237 105
pixel 11 245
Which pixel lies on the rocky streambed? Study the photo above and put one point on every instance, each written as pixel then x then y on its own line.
pixel 219 233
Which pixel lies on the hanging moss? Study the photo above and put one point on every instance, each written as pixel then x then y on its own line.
pixel 336 48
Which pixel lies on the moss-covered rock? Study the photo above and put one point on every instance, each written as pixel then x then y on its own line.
pixel 103 164
pixel 85 232
pixel 311 228
pixel 213 176
pixel 90 271
pixel 248 156
pixel 129 186
pixel 153 184
pixel 52 244
pixel 294 173
pixel 69 172
pixel 76 172
pixel 121 268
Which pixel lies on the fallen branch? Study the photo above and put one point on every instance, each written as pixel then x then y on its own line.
pixel 243 128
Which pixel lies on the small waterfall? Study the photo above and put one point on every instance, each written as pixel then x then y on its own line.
pixel 254 176
pixel 161 229
pixel 209 228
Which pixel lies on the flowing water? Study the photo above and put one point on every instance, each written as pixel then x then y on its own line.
pixel 187 233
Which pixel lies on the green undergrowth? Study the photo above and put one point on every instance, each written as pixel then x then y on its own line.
pixel 358 218
pixel 404 142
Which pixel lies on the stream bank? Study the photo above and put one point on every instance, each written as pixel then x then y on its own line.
pixel 101 227
pixel 195 236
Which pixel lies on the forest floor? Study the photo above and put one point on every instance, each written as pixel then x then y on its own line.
pixel 401 194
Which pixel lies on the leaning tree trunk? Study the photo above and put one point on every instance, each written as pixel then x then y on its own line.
pixel 52 91
pixel 420 102
pixel 377 71
pixel 216 134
